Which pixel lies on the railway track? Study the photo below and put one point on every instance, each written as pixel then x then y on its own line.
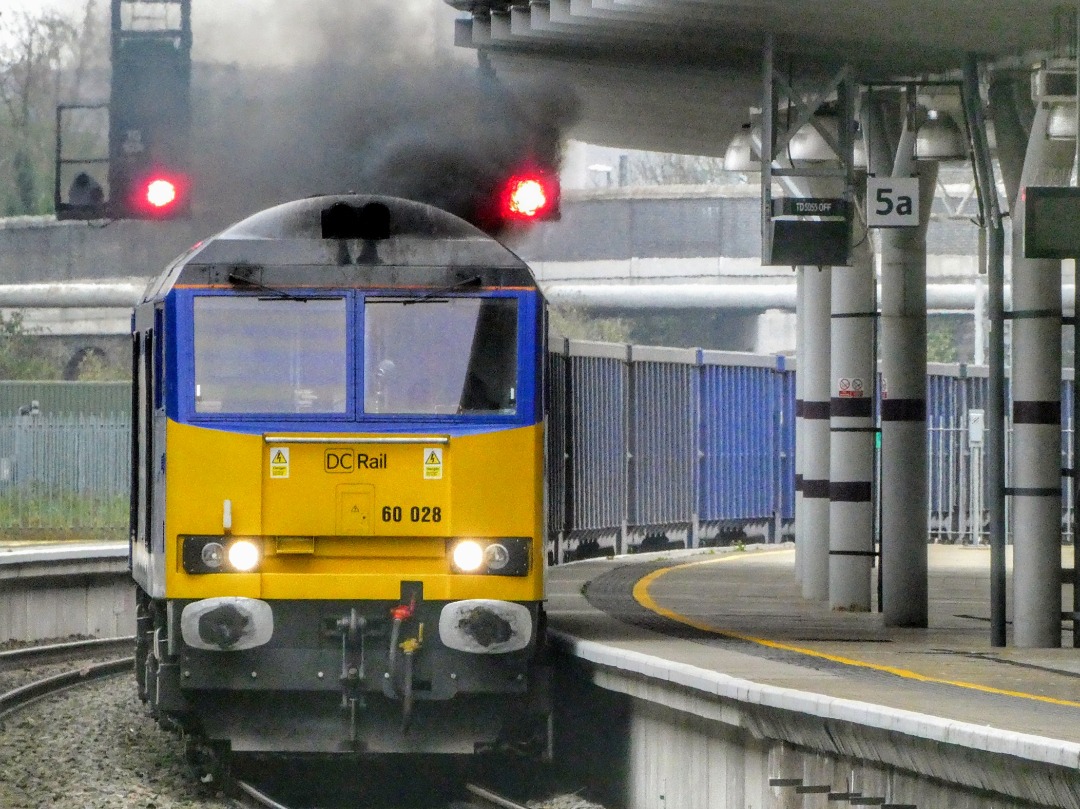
pixel 84 672
pixel 24 695
pixel 480 798
pixel 80 668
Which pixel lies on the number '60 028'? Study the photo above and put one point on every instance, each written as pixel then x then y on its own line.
pixel 416 514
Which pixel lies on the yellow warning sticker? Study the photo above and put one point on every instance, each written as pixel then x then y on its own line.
pixel 279 462
pixel 433 464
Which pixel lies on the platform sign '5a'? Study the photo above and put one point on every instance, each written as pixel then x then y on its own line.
pixel 892 202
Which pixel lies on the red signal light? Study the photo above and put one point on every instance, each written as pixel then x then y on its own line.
pixel 530 197
pixel 161 193
pixel 527 198
pixel 158 195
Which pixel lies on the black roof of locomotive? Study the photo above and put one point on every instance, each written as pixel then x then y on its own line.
pixel 410 244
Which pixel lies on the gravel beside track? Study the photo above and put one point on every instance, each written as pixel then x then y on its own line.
pixel 95 747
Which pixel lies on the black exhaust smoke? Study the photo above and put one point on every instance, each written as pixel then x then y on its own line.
pixel 372 113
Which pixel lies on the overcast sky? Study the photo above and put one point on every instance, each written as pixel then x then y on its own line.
pixel 280 31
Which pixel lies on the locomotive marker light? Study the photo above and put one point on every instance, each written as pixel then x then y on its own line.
pixel 527 198
pixel 220 554
pixel 496 556
pixel 159 195
pixel 505 556
pixel 213 555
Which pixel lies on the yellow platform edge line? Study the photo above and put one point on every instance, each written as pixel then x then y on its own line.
pixel 642 597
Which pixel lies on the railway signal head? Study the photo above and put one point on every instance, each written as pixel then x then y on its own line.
pixel 156 195
pixel 530 196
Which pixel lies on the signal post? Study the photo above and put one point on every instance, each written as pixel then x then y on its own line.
pixel 147 172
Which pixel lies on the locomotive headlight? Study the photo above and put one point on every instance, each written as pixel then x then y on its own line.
pixel 243 555
pixel 496 556
pixel 505 556
pixel 468 556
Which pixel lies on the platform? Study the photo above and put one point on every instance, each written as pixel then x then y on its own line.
pixel 50 591
pixel 741 614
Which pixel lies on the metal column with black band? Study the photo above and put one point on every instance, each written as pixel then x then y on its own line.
pixel 904 523
pixel 851 462
pixel 1036 409
pixel 814 354
pixel 800 424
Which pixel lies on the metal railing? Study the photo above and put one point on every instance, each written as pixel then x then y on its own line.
pixel 64 475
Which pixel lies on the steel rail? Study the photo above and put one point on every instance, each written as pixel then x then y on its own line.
pixel 493 798
pixel 259 798
pixel 24 695
pixel 30 653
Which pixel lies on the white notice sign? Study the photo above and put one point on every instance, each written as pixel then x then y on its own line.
pixel 892 202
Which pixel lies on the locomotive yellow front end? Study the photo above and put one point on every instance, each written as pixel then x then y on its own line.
pixel 337 506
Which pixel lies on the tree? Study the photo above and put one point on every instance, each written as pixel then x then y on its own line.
pixel 940 341
pixel 20 357
pixel 45 59
pixel 659 168
pixel 577 324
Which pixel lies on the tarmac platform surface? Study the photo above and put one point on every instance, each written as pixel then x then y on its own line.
pixel 741 613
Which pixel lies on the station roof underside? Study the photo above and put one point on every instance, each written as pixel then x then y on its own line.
pixel 681 75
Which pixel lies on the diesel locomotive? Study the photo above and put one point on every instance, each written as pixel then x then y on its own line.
pixel 337 495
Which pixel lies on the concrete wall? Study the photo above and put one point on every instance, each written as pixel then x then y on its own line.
pixel 688 232
pixel 647 733
pixel 38 248
pixel 65 590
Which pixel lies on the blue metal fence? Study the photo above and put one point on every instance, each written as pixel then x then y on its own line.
pixel 685 446
pixel 956 454
pixel 654 445
pixel 646 446
pixel 747 404
pixel 663 404
pixel 955 485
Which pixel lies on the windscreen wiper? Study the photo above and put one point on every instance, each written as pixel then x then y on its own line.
pixel 475 281
pixel 240 280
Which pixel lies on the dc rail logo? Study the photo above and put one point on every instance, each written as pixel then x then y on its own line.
pixel 339 461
